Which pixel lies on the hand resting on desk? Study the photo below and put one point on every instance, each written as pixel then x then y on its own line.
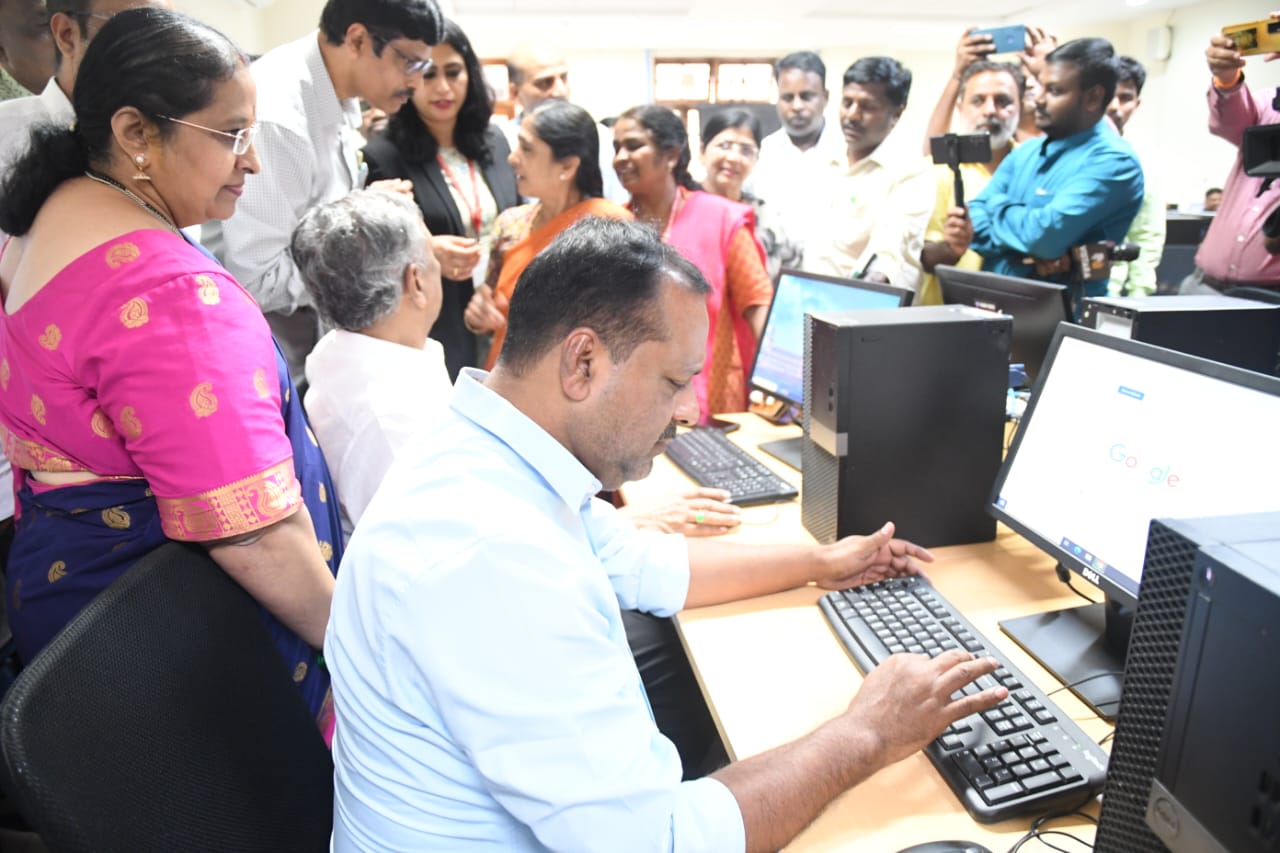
pixel 700 512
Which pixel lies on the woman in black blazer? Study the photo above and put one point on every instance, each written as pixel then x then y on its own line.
pixel 442 141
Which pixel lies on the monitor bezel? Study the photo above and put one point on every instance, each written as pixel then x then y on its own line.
pixel 1112 588
pixel 1027 336
pixel 906 297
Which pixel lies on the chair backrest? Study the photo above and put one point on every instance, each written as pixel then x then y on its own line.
pixel 1258 294
pixel 163 719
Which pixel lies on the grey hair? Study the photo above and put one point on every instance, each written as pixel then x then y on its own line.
pixel 353 252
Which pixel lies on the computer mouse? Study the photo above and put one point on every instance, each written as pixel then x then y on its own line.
pixel 946 847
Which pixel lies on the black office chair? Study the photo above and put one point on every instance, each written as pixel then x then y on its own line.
pixel 163 719
pixel 1257 294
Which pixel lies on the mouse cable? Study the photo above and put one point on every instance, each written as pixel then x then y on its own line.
pixel 1111 673
pixel 1035 830
pixel 1041 833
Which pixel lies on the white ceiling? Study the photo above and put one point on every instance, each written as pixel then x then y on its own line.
pixel 921 11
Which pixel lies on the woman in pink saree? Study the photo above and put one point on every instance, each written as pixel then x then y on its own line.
pixel 141 396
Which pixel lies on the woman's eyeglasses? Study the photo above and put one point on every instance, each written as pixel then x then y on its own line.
pixel 744 149
pixel 241 139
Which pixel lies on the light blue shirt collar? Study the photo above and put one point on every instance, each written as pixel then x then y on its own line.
pixel 493 413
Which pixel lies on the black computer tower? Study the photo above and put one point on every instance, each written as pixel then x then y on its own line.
pixel 1242 332
pixel 904 422
pixel 1217 780
pixel 1173 547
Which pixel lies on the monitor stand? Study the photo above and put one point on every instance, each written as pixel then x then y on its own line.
pixel 1083 647
pixel 781 412
pixel 787 450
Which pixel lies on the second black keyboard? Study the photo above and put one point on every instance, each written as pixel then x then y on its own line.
pixel 1022 757
pixel 711 459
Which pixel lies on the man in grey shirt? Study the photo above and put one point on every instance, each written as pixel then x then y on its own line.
pixel 309 94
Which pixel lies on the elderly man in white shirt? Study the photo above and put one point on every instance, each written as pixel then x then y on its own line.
pixel 309 94
pixel 376 380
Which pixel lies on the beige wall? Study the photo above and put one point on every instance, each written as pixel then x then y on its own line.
pixel 611 66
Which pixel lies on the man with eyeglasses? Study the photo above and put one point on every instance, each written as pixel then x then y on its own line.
pixel 73 24
pixel 309 142
pixel 536 73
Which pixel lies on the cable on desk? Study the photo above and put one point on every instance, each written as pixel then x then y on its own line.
pixel 1037 832
pixel 1040 836
pixel 1108 674
pixel 1108 736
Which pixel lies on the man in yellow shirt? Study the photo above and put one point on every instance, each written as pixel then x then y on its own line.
pixel 987 98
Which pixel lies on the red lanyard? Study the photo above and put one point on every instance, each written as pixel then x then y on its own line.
pixel 473 207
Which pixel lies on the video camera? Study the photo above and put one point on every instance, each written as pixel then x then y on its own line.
pixel 1260 151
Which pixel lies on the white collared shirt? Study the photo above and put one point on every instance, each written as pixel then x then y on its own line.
pixel 877 208
pixel 309 144
pixel 788 180
pixel 368 399
pixel 19 115
pixel 486 695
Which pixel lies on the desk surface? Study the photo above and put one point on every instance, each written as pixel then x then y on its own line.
pixel 772 671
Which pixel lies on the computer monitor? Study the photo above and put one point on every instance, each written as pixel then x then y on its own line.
pixel 779 366
pixel 1037 307
pixel 1118 433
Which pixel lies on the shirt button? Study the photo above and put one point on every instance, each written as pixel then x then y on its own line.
pixel 1239 238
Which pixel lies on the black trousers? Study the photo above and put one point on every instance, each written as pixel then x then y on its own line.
pixel 678 708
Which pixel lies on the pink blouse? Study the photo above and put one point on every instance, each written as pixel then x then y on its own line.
pixel 144 358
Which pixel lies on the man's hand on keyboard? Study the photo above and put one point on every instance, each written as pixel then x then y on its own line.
pixel 858 560
pixel 907 700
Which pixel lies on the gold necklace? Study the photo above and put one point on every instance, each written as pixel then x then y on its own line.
pixel 108 181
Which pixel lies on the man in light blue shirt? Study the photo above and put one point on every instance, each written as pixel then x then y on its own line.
pixel 485 691
pixel 1080 184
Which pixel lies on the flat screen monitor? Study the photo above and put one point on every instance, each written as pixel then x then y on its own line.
pixel 1118 433
pixel 779 367
pixel 1037 307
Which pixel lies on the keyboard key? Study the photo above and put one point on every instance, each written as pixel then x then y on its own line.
pixel 1041 781
pixel 1000 793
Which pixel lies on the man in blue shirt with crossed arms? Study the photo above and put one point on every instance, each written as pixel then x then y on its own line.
pixel 1081 183
pixel 485 691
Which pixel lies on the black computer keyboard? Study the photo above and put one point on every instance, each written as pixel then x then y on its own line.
pixel 711 459
pixel 1022 757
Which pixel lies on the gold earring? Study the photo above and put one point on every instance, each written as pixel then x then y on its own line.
pixel 141 162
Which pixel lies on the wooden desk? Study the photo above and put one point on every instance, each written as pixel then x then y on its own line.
pixel 771 670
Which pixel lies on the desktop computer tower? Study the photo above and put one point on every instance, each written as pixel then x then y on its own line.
pixel 1173 547
pixel 904 422
pixel 1241 332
